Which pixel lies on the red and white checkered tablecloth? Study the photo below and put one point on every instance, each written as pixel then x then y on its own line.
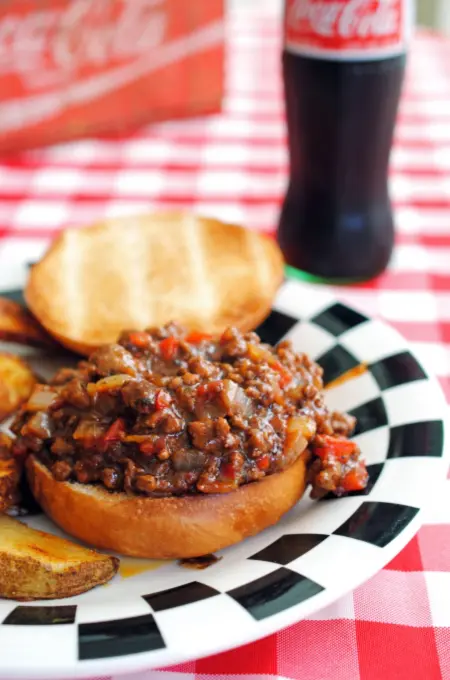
pixel 396 626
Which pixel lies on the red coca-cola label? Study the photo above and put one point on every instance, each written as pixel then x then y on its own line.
pixel 347 28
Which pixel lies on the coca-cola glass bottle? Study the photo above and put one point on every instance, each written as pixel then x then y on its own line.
pixel 343 68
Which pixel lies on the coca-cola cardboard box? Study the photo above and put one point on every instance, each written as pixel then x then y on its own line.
pixel 71 68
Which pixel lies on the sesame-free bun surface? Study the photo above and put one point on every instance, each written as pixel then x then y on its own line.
pixel 166 528
pixel 136 272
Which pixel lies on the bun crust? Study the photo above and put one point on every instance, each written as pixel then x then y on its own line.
pixel 166 528
pixel 142 271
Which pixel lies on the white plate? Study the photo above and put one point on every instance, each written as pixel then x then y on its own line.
pixel 155 614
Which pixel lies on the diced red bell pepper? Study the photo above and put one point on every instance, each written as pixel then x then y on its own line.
pixel 355 479
pixel 168 347
pixel 195 337
pixel 147 448
pixel 228 471
pixel 285 376
pixel 336 447
pixel 139 339
pixel 115 431
pixel 207 390
pixel 202 390
pixel 90 442
pixel 263 462
pixel 162 400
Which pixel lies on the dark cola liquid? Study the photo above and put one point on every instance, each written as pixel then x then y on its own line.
pixel 336 221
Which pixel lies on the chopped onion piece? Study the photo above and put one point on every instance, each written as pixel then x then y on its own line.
pixel 295 442
pixel 257 353
pixel 112 382
pixel 40 425
pixel 89 429
pixel 41 398
pixel 235 399
pixel 304 424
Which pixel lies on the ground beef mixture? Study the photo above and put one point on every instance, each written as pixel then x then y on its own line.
pixel 10 473
pixel 165 412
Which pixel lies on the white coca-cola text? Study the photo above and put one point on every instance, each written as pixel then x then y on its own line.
pixel 47 46
pixel 346 19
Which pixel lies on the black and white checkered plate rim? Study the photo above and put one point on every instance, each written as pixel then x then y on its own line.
pixel 317 553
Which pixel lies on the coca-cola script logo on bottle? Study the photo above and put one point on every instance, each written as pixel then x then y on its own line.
pixel 346 28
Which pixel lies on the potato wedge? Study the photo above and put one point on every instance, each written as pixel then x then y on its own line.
pixel 18 325
pixel 38 566
pixel 16 383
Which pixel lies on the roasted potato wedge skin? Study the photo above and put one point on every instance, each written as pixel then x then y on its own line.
pixel 16 383
pixel 19 326
pixel 38 566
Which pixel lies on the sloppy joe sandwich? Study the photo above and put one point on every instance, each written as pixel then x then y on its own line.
pixel 144 271
pixel 173 443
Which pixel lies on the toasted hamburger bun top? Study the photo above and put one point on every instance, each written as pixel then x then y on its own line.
pixel 166 528
pixel 143 271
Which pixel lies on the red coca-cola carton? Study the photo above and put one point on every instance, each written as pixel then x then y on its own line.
pixel 71 68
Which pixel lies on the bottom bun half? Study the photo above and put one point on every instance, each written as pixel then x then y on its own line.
pixel 166 528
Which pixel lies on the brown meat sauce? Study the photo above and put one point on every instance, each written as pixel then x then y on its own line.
pixel 165 413
pixel 10 474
